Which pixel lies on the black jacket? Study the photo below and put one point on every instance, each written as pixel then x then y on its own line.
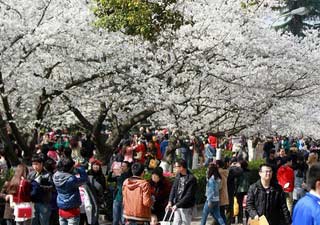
pixel 188 197
pixel 270 203
pixel 42 186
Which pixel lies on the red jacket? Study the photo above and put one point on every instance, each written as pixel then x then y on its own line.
pixel 285 175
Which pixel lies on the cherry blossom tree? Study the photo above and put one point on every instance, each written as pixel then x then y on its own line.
pixel 224 72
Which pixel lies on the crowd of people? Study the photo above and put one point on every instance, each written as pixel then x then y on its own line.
pixel 67 184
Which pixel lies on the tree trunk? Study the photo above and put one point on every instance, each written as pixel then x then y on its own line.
pixel 11 155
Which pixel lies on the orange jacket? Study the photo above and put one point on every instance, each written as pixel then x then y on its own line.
pixel 137 200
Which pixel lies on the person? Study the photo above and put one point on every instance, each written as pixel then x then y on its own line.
pixel 154 220
pixel 50 165
pixel 137 200
pixel 117 199
pixel 268 199
pixel 306 211
pixel 67 185
pixel 212 193
pixel 272 161
pixel 210 150
pixel 160 190
pixel 285 177
pixel 41 192
pixel 97 181
pixel 242 185
pixel 224 198
pixel 182 196
pixel 300 172
pixel 235 171
pixel 18 191
pixel 281 159
pixel 268 145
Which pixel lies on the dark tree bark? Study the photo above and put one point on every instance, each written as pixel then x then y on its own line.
pixel 11 155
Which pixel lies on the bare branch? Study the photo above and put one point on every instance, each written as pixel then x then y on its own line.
pixel 42 16
pixel 77 113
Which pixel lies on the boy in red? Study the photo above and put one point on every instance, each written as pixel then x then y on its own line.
pixel 285 177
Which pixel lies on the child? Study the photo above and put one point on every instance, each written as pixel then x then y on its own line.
pixel 154 220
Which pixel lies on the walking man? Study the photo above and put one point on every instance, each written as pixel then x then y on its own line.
pixel 182 195
pixel 268 199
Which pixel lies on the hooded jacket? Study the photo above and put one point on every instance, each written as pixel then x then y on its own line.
pixel 67 186
pixel 137 200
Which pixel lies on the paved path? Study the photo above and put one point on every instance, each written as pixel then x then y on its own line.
pixel 195 220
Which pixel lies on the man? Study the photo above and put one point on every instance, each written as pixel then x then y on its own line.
pixel 268 145
pixel 117 201
pixel 272 161
pixel 183 194
pixel 137 200
pixel 268 199
pixel 307 210
pixel 235 171
pixel 67 185
pixel 42 187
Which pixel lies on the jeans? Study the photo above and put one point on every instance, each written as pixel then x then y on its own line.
pixel 69 221
pixel 42 214
pixel 182 216
pixel 117 213
pixel 214 211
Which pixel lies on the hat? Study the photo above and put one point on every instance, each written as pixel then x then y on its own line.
pixel 158 171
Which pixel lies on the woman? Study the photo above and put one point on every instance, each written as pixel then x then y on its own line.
pixel 212 193
pixel 160 190
pixel 18 190
pixel 224 198
pixel 97 180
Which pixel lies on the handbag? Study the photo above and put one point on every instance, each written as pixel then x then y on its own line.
pixel 22 210
pixel 167 222
pixel 235 207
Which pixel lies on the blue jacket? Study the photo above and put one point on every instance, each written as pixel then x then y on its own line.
pixel 307 211
pixel 67 186
pixel 212 189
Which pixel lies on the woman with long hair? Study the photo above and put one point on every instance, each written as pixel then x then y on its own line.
pixel 212 204
pixel 18 191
